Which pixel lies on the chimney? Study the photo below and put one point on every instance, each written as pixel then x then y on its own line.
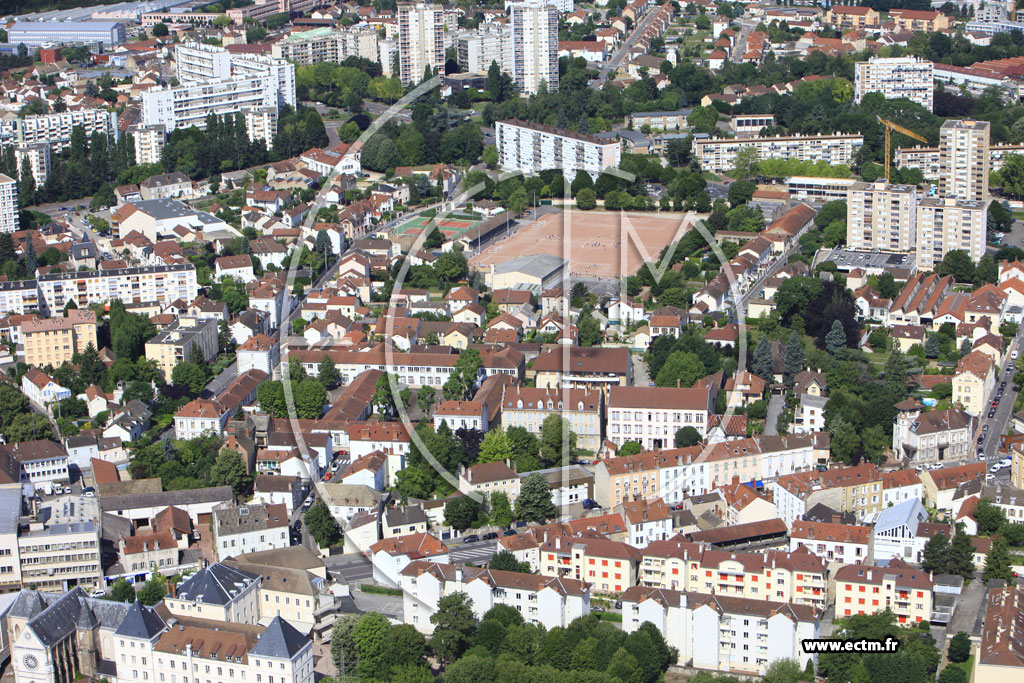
pixel 678 383
pixel 458 573
pixel 835 518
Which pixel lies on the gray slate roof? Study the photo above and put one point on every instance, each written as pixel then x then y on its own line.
pixel 280 640
pixel 217 584
pixel 141 622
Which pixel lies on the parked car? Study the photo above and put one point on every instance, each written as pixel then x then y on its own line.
pixel 89 494
pixel 590 504
pixel 509 532
pixel 491 536
pixel 472 538
pixel 98 593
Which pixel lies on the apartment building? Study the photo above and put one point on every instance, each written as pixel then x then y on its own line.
pixel 1000 658
pixel 221 592
pixel 528 407
pixel 280 71
pixel 53 341
pixel 947 223
pixel 881 217
pixel 550 602
pixel 420 40
pixel 56 557
pixel 651 416
pixel 534 147
pixel 798 577
pixel 10 218
pixel 833 542
pixel 940 486
pixel 535 46
pixel 855 489
pixel 249 528
pixel 55 129
pixel 490 477
pixel 149 143
pixel 159 285
pixel 328 45
pixel 825 189
pixel 199 62
pixel 174 344
pixel 476 50
pixel 722 633
pixel 845 17
pixel 37 156
pixel 919 21
pixel 964 159
pixel 668 474
pixel 896 78
pixel 973 383
pixel 189 105
pixel 719 155
pixel 607 566
pixel 585 368
pixel 898 587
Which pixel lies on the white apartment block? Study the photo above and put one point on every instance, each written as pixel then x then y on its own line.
pixel 420 40
pixel 550 602
pixel 9 220
pixel 57 557
pixel 964 158
pixel 189 105
pixel 535 44
pixel 328 45
pixel 476 50
pixel 199 62
pixel 827 189
pixel 651 416
pixel 533 147
pixel 153 284
pixel 720 633
pixel 149 143
pixel 948 223
pixel 881 216
pixel 719 155
pixel 261 123
pixel 928 158
pixel 16 296
pixel 55 129
pixel 37 156
pixel 896 78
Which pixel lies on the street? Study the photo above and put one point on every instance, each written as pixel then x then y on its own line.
pixel 991 428
pixel 612 65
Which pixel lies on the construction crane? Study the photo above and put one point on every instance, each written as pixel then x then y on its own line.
pixel 889 127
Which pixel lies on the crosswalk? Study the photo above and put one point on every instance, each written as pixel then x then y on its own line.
pixel 476 553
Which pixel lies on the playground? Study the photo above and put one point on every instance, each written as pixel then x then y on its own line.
pixel 595 243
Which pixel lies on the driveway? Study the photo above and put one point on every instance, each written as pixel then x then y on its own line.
pixel 969 606
pixel 776 405
pixel 640 376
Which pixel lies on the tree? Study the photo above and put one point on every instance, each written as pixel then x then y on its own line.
pixel 845 441
pixel 744 164
pixel 327 372
pixel 490 156
pixel 189 375
pixel 953 674
pixel 589 330
pixel 229 470
pixel 741 192
pixel 931 346
pixel 122 591
pixel 28 427
pixel 836 338
pixel 425 399
pixel 501 509
pixel 461 513
pixel 159 30
pixel 370 637
pixel 154 590
pixel 762 364
pixel 534 501
pixel 687 436
pixel 343 647
pixel 309 396
pixel 586 199
pixel 961 554
pixel 629 448
pixel 495 447
pixel 784 671
pixel 383 398
pixel 896 375
pixel 959 648
pixel 525 447
pixel 957 263
pixel 506 561
pixel 321 525
pixel 935 556
pixel 557 441
pixel 990 518
pixel 454 626
pixel 681 368
pixel 997 562
pixel 795 360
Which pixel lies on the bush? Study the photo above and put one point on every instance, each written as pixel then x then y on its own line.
pixel 380 590
pixel 959 648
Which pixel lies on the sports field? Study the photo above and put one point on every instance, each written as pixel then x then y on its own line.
pixel 450 227
pixel 595 243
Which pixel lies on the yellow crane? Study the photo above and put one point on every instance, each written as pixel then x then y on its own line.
pixel 889 127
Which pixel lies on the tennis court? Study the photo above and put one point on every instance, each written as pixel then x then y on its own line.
pixel 450 227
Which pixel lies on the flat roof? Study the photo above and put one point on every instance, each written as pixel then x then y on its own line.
pixel 848 259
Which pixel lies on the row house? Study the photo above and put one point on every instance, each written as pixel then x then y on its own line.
pixel 606 566
pixel 898 587
pixel 651 416
pixel 835 543
pixel 528 407
pixel 847 489
pixel 799 576
pixel 723 633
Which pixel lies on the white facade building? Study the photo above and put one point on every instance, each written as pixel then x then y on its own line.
pixel 535 46
pixel 881 217
pixel 37 156
pixel 55 129
pixel 490 43
pixel 533 148
pixel 896 78
pixel 420 40
pixel 9 217
pixel 189 105
pixel 945 224
pixel 152 284
pixel 719 155
pixel 149 143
